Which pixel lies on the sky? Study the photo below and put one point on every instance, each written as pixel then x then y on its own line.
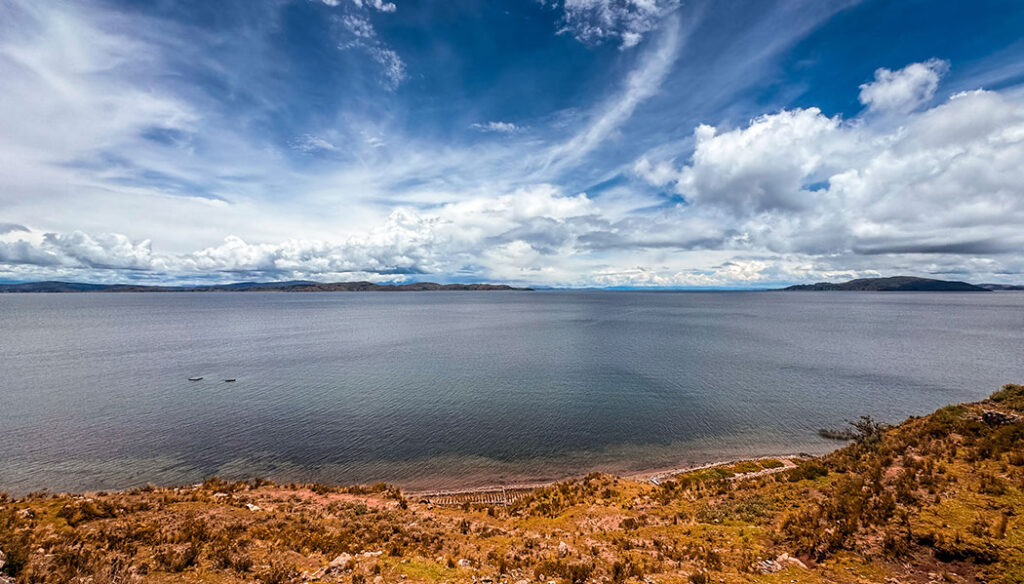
pixel 563 143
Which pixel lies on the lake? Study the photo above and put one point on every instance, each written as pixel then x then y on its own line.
pixel 446 389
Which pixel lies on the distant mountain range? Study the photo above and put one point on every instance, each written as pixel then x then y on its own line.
pixel 292 286
pixel 897 284
pixel 893 284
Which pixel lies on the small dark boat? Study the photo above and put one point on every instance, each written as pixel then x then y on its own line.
pixel 197 378
pixel 232 380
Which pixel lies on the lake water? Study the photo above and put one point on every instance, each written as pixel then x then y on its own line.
pixel 446 389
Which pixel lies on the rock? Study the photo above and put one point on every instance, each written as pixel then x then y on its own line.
pixel 522 582
pixel 768 567
pixel 994 418
pixel 563 549
pixel 252 507
pixel 340 562
pixel 3 558
pixel 464 563
pixel 788 560
pixel 26 514
pixel 372 554
pixel 221 495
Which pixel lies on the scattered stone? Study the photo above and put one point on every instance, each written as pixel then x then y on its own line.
pixel 340 562
pixel 994 418
pixel 768 566
pixel 788 560
pixel 563 549
pixel 252 507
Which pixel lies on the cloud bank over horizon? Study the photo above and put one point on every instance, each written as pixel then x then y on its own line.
pixel 575 143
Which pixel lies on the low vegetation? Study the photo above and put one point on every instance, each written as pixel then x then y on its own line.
pixel 934 499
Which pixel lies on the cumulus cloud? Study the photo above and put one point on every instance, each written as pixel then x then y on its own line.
pixel 764 166
pixel 407 242
pixel 905 90
pixel 946 182
pixel 623 21
pixel 107 251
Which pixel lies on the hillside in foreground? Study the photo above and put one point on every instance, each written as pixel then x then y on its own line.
pixel 934 499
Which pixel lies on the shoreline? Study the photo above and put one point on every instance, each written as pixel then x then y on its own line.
pixel 654 475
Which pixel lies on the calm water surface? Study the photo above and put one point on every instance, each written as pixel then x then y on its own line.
pixel 465 388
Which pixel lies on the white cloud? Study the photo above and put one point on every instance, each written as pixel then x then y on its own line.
pixel 359 26
pixel 407 242
pixel 380 5
pixel 394 67
pixel 905 90
pixel 310 143
pixel 660 173
pixel 625 21
pixel 947 182
pixel 360 33
pixel 764 166
pixel 499 127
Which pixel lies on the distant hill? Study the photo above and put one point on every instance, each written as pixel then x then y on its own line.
pixel 893 284
pixel 1001 287
pixel 292 286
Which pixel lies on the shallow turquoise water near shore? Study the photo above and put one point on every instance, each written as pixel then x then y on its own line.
pixel 465 388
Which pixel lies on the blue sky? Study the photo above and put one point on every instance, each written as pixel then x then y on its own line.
pixel 557 142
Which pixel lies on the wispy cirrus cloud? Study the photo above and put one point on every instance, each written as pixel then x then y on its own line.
pixel 499 127
pixel 359 33
pixel 641 84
